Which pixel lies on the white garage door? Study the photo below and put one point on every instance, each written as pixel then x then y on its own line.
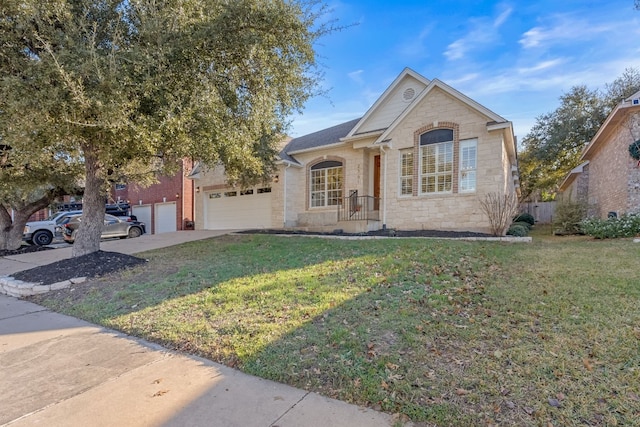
pixel 234 209
pixel 143 213
pixel 165 217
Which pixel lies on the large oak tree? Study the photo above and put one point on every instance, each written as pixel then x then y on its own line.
pixel 553 146
pixel 135 85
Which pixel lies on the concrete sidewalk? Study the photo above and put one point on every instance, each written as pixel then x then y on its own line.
pixel 56 370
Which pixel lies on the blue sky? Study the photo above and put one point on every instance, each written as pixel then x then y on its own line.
pixel 515 58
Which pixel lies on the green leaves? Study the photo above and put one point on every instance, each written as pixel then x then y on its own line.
pixel 554 145
pixel 116 84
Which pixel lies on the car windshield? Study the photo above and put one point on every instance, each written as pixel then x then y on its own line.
pixel 52 217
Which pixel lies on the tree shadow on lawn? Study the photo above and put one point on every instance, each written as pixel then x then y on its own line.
pixel 405 326
pixel 361 321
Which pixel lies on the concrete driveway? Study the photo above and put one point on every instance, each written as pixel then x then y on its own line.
pixel 14 263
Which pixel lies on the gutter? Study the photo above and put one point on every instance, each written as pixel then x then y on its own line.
pixel 284 208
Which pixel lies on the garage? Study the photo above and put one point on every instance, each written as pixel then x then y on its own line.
pixel 235 209
pixel 143 213
pixel 165 217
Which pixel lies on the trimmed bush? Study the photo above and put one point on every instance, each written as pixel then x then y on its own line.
pixel 518 230
pixel 568 217
pixel 524 224
pixel 627 225
pixel 525 217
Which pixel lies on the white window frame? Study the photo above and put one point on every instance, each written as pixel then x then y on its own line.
pixel 468 170
pixel 406 177
pixel 329 192
pixel 441 149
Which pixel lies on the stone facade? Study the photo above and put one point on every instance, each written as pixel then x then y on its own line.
pixel 379 138
pixel 610 183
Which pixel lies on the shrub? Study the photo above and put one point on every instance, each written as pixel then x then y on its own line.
pixel 500 208
pixel 627 225
pixel 526 224
pixel 568 217
pixel 525 217
pixel 518 230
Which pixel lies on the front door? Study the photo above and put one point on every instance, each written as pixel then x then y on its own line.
pixel 376 183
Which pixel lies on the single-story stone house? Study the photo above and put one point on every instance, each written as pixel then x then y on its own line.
pixel 608 177
pixel 422 157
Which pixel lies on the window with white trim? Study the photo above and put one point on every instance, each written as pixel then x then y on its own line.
pixel 326 184
pixel 436 161
pixel 468 165
pixel 406 172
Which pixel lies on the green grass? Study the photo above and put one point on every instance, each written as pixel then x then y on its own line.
pixel 444 332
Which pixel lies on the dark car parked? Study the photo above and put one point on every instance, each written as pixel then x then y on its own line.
pixel 114 226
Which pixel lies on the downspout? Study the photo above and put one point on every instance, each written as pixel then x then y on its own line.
pixel 384 190
pixel 284 209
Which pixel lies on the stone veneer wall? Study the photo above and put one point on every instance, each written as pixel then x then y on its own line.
pixel 614 178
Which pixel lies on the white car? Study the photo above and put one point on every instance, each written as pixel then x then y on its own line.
pixel 41 233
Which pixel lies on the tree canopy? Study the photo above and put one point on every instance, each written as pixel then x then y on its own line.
pixel 553 146
pixel 131 86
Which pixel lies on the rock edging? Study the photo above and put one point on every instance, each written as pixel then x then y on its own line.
pixel 17 288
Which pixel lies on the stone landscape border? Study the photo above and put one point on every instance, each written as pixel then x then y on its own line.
pixel 18 288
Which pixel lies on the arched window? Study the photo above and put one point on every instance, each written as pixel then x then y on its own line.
pixel 436 161
pixel 326 184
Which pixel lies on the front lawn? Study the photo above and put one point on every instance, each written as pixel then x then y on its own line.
pixel 440 331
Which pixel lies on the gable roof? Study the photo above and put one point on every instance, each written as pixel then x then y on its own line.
pixel 568 180
pixel 356 129
pixel 404 75
pixel 321 138
pixel 435 83
pixel 613 119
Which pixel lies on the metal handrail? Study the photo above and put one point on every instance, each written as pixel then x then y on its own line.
pixel 358 208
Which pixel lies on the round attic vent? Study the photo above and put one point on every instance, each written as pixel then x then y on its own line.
pixel 408 94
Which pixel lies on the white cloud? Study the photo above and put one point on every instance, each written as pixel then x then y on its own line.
pixel 502 17
pixel 356 76
pixel 415 47
pixel 483 31
pixel 564 28
pixel 541 66
pixel 463 79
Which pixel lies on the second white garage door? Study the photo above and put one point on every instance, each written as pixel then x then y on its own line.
pixel 165 217
pixel 238 209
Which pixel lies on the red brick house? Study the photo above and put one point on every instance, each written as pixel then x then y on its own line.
pixel 165 206
pixel 608 178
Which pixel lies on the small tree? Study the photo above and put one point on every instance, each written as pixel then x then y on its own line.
pixel 500 208
pixel 568 216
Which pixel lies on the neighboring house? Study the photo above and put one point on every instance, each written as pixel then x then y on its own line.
pixel 422 157
pixel 608 179
pixel 164 206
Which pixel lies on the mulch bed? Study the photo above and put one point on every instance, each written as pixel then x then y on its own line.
pixel 89 266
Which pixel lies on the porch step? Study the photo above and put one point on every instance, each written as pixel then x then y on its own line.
pixel 362 226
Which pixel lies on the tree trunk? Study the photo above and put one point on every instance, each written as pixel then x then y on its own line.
pixel 87 240
pixel 11 230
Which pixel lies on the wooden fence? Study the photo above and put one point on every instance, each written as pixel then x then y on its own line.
pixel 542 211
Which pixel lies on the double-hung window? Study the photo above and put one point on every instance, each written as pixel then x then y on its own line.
pixel 468 165
pixel 436 161
pixel 326 184
pixel 406 172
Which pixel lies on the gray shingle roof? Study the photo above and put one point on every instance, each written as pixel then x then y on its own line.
pixel 317 139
